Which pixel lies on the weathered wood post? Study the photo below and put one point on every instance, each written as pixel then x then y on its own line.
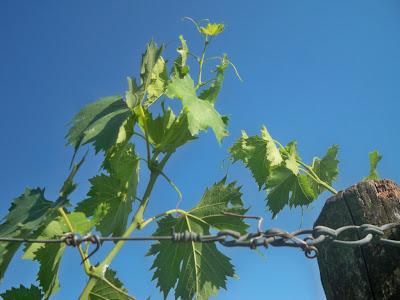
pixel 365 272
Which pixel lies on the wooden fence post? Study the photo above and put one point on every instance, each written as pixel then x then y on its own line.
pixel 371 271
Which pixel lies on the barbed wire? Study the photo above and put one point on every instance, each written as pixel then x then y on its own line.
pixel 366 233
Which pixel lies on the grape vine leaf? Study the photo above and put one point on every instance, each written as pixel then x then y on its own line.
pixel 285 185
pixel 212 29
pixel 102 290
pixel 111 196
pixel 374 159
pixel 153 74
pixel 149 61
pixel 198 269
pixel 27 213
pixel 23 293
pixel 133 95
pixel 180 68
pixel 281 172
pixel 326 168
pixel 51 230
pixel 166 132
pixel 212 92
pixel 56 228
pixel 153 78
pixel 49 255
pixel 98 123
pixel 201 114
pixel 258 153
pixel 158 82
pixel 49 258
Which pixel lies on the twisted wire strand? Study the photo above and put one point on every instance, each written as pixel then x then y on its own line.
pixel 228 238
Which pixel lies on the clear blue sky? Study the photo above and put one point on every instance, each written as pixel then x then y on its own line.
pixel 320 72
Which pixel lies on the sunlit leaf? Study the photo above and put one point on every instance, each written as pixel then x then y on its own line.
pixel 285 185
pixel 198 269
pixel 281 172
pixel 258 153
pixel 374 159
pixel 180 66
pixel 49 255
pixel 158 82
pixel 166 132
pixel 201 114
pixel 326 168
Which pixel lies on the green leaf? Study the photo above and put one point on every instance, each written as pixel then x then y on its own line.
pixel 49 255
pixel 374 159
pixel 212 29
pixel 126 130
pixel 111 196
pixel 102 290
pixel 258 153
pixel 23 293
pixel 7 252
pixel 153 74
pixel 201 114
pixel 166 132
pixel 51 230
pixel 158 82
pixel 285 185
pixel 292 157
pixel 281 172
pixel 133 95
pixel 180 68
pixel 326 168
pixel 49 258
pixel 104 132
pixel 149 62
pixel 98 123
pixel 56 228
pixel 27 213
pixel 153 78
pixel 198 269
pixel 212 92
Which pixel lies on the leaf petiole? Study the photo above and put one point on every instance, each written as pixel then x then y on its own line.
pixel 201 62
pixel 86 262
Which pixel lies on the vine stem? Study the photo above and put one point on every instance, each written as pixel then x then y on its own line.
pixel 86 262
pixel 201 61
pixel 87 266
pixel 137 220
pixel 141 112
